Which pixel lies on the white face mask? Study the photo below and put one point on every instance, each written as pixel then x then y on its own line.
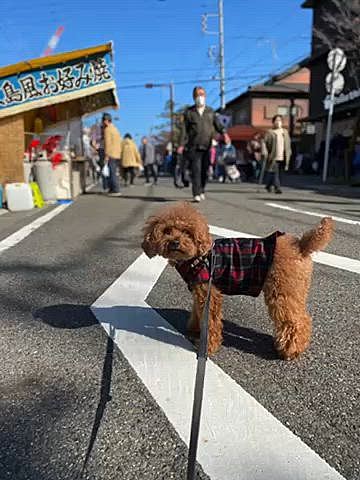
pixel 200 101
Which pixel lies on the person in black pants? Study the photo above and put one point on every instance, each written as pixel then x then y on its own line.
pixel 130 159
pixel 198 129
pixel 147 152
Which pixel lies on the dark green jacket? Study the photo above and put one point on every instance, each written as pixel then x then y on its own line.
pixel 198 130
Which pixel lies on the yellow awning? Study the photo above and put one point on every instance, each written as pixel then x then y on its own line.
pixel 53 60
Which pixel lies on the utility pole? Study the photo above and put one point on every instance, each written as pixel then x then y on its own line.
pixel 292 118
pixel 328 128
pixel 171 108
pixel 171 85
pixel 334 84
pixel 222 55
pixel 220 33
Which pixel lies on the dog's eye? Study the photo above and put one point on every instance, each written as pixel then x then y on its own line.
pixel 167 231
pixel 187 232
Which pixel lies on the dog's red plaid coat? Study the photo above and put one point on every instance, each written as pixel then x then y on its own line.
pixel 240 265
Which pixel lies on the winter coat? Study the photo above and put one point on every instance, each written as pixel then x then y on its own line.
pixel 130 156
pixel 227 155
pixel 147 152
pixel 269 149
pixel 240 265
pixel 112 142
pixel 199 130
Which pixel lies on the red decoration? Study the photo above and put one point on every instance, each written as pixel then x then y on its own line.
pixel 34 144
pixel 50 146
pixel 56 159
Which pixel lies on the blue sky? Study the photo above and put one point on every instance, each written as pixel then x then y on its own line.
pixel 161 41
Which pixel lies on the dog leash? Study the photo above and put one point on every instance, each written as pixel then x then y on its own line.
pixel 200 378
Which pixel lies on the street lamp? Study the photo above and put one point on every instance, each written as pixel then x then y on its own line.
pixel 292 113
pixel 171 88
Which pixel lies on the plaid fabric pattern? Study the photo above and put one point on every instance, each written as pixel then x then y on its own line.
pixel 240 265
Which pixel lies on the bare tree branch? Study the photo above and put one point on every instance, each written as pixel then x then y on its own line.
pixel 341 28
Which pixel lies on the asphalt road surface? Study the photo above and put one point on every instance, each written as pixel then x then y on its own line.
pixel 79 401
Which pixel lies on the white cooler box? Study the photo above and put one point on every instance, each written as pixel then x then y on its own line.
pixel 19 197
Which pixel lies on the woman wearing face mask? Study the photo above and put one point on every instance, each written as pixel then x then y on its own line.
pixel 198 130
pixel 277 152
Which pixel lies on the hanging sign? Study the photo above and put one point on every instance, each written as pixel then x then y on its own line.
pixel 42 87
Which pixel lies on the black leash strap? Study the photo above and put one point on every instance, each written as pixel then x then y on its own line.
pixel 199 381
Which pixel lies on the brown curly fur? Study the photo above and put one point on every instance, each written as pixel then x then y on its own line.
pixel 286 287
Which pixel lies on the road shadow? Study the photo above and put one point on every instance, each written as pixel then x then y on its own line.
pixel 249 341
pixel 240 190
pixel 161 325
pixel 143 321
pixel 105 396
pixel 240 338
pixel 353 212
pixel 80 316
pixel 66 316
pixel 142 198
pixel 151 199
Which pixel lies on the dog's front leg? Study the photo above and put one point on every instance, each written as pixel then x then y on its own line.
pixel 215 316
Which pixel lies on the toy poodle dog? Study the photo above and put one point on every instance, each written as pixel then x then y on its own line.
pixel 280 265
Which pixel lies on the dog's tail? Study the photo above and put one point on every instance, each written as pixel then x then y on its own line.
pixel 318 238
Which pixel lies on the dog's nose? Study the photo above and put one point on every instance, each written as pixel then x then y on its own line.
pixel 174 245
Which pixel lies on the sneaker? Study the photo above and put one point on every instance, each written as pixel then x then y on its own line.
pixel 115 194
pixel 197 199
pixel 202 196
pixel 269 189
pixel 278 190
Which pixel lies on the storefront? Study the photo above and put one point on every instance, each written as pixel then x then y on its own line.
pixel 50 96
pixel 345 128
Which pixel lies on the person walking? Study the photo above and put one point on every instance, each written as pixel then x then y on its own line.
pixel 147 152
pixel 277 153
pixel 198 129
pixel 253 149
pixel 97 143
pixel 112 149
pixel 227 161
pixel 130 159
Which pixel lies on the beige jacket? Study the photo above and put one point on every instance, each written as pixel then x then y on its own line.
pixel 112 142
pixel 269 149
pixel 130 156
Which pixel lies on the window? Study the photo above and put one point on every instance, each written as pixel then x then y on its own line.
pixel 241 117
pixel 283 110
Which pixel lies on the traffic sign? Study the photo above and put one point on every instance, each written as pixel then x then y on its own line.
pixel 339 82
pixel 337 60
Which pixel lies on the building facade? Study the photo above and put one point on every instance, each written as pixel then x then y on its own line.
pixel 346 126
pixel 286 94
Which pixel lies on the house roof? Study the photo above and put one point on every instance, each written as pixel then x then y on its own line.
pixel 272 88
pixel 281 88
pixel 308 4
pixel 42 62
pixel 286 73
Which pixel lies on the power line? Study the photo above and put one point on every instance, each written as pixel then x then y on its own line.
pixel 186 82
pixel 263 77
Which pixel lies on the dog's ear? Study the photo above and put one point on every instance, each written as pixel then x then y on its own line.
pixel 148 246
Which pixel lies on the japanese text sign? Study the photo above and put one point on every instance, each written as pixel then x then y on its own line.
pixel 56 80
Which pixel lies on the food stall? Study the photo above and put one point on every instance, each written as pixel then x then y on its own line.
pixel 42 103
